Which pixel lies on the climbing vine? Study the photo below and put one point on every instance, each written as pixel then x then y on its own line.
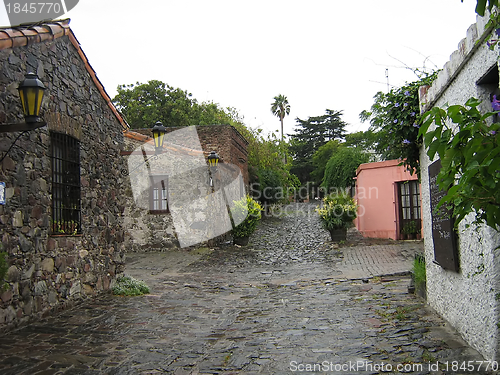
pixel 468 144
pixel 395 117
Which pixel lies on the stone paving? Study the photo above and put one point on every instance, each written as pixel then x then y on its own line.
pixel 290 302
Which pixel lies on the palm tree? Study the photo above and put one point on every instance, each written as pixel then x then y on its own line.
pixel 280 108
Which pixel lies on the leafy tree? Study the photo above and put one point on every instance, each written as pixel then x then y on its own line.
pixel 309 136
pixel 280 108
pixel 367 140
pixel 143 104
pixel 341 168
pixel 395 120
pixel 320 159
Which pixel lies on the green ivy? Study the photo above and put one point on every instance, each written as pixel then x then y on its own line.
pixel 395 117
pixel 468 145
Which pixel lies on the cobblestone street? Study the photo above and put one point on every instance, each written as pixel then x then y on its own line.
pixel 290 302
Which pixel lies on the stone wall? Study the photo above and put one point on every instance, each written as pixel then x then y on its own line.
pixel 467 299
pixel 47 272
pixel 150 231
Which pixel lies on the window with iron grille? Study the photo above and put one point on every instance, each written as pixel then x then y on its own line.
pixel 66 191
pixel 158 195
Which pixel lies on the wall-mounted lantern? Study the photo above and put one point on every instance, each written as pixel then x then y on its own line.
pixel 213 159
pixel 158 136
pixel 31 92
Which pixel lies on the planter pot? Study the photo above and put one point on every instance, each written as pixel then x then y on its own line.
pixel 242 241
pixel 338 235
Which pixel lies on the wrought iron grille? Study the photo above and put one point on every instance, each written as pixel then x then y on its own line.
pixel 66 191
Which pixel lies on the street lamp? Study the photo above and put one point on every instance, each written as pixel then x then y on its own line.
pixel 213 159
pixel 31 92
pixel 158 136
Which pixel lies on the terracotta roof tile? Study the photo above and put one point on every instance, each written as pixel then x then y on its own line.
pixel 24 35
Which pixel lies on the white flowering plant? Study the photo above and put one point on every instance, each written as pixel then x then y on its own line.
pixel 337 211
pixel 246 212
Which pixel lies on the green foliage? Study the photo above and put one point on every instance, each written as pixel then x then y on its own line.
pixel 470 157
pixel 366 140
pixel 247 212
pixel 309 136
pixel 481 6
pixel 320 159
pixel 411 228
pixel 4 266
pixel 129 286
pixel 270 187
pixel 418 271
pixel 265 163
pixel 143 104
pixel 341 168
pixel 395 119
pixel 337 211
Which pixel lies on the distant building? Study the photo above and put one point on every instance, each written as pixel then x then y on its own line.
pixel 389 201
pixel 149 222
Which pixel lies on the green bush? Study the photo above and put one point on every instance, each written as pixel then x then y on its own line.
pixel 128 286
pixel 341 168
pixel 418 270
pixel 337 211
pixel 246 212
pixel 270 186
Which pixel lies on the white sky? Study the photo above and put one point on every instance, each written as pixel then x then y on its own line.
pixel 319 53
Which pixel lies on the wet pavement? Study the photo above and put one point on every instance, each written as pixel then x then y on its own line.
pixel 290 302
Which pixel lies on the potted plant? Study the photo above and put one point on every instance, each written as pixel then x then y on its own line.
pixel 411 230
pixel 337 213
pixel 245 213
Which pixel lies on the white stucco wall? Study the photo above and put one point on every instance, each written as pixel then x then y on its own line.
pixel 466 299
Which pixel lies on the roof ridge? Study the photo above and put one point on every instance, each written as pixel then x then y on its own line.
pixel 30 33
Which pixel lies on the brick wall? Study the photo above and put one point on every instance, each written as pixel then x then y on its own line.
pixel 149 231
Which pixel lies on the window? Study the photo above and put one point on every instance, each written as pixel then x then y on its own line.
pixel 158 195
pixel 409 207
pixel 66 214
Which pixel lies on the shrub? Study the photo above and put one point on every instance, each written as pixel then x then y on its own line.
pixel 128 286
pixel 271 186
pixel 337 211
pixel 246 212
pixel 419 274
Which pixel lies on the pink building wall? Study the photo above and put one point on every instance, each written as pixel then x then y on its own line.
pixel 377 197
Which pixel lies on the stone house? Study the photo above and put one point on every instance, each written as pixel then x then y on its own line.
pixel 389 201
pixel 463 269
pixel 154 218
pixel 61 223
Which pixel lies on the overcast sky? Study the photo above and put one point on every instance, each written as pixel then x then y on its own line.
pixel 319 53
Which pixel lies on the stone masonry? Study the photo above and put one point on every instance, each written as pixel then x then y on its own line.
pixel 47 271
